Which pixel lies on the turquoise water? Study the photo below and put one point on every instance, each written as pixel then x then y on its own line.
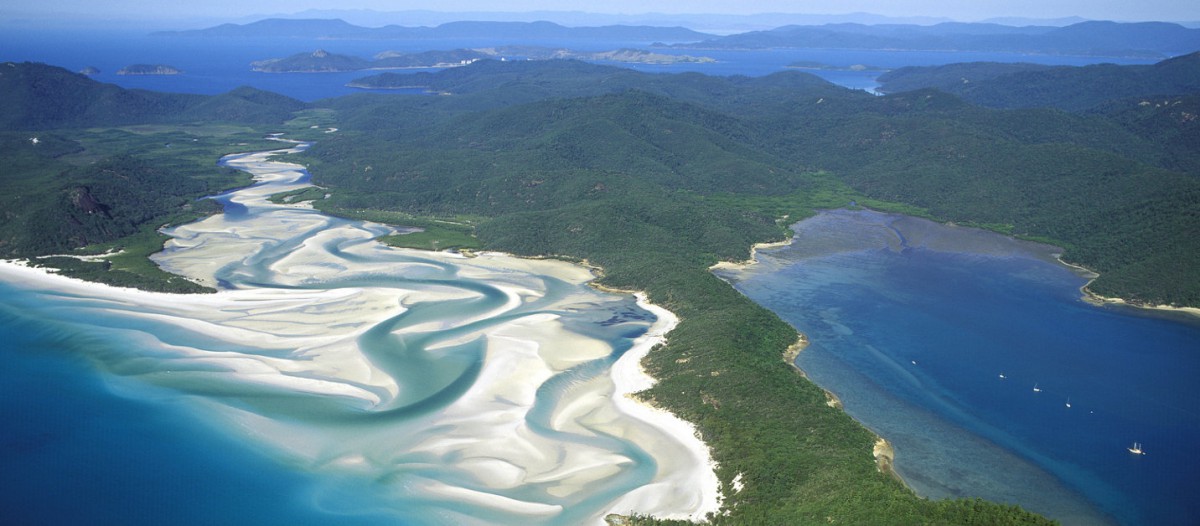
pixel 73 451
pixel 936 336
pixel 332 381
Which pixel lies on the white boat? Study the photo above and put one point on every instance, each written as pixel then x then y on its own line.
pixel 1036 389
pixel 1002 376
pixel 1068 402
pixel 1136 449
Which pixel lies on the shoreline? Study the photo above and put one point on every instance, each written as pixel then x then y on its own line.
pixel 883 451
pixel 630 378
pixel 740 265
pixel 685 487
pixel 1092 298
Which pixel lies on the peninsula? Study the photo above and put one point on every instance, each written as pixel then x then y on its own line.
pixel 324 61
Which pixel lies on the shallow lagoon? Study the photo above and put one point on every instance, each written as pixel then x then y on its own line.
pixel 335 380
pixel 912 324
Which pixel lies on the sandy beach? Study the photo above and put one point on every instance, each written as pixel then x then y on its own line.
pixel 457 379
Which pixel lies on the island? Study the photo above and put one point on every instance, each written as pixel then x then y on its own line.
pixel 149 69
pixel 89 71
pixel 1092 38
pixel 319 61
pixel 324 61
pixel 639 56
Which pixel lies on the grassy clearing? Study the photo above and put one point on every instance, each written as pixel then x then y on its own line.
pixel 434 238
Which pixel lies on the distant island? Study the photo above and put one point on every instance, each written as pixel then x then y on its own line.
pixel 1019 85
pixel 323 61
pixel 89 71
pixel 340 29
pixel 639 56
pixel 821 66
pixel 1097 39
pixel 319 61
pixel 149 69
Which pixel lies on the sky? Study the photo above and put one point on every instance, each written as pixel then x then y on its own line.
pixel 963 10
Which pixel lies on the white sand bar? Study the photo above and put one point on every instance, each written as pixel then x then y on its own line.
pixel 470 390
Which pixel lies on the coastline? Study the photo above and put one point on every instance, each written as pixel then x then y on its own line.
pixel 1090 297
pixel 930 471
pixel 630 378
pixel 681 468
pixel 685 485
pixel 739 265
pixel 883 451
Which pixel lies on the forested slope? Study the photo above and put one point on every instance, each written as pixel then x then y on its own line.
pixel 39 96
pixel 1064 87
pixel 67 185
pixel 654 178
pixel 656 183
pixel 1115 186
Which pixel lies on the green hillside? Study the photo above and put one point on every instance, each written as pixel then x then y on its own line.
pixel 654 178
pixel 1115 186
pixel 97 166
pixel 1064 87
pixel 653 189
pixel 38 97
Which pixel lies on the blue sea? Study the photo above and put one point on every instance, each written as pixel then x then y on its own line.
pixel 213 66
pixel 936 336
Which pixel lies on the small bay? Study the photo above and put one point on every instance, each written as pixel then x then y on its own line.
pixel 976 357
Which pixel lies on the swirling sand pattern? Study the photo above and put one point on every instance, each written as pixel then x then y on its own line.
pixel 470 390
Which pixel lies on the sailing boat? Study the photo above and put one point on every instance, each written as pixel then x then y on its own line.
pixel 1136 449
pixel 1036 389
pixel 1068 402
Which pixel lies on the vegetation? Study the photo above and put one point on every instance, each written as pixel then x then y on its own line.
pixel 77 191
pixel 1065 87
pixel 435 238
pixel 654 190
pixel 317 61
pixel 110 191
pixel 1115 186
pixel 654 178
pixel 656 184
pixel 38 97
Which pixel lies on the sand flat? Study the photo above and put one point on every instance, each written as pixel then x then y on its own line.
pixel 458 380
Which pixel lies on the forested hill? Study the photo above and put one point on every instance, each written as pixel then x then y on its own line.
pixel 81 169
pixel 490 84
pixel 656 177
pixel 1117 189
pixel 39 96
pixel 1070 88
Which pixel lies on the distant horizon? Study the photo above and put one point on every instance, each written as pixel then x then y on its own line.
pixel 716 23
pixel 755 13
